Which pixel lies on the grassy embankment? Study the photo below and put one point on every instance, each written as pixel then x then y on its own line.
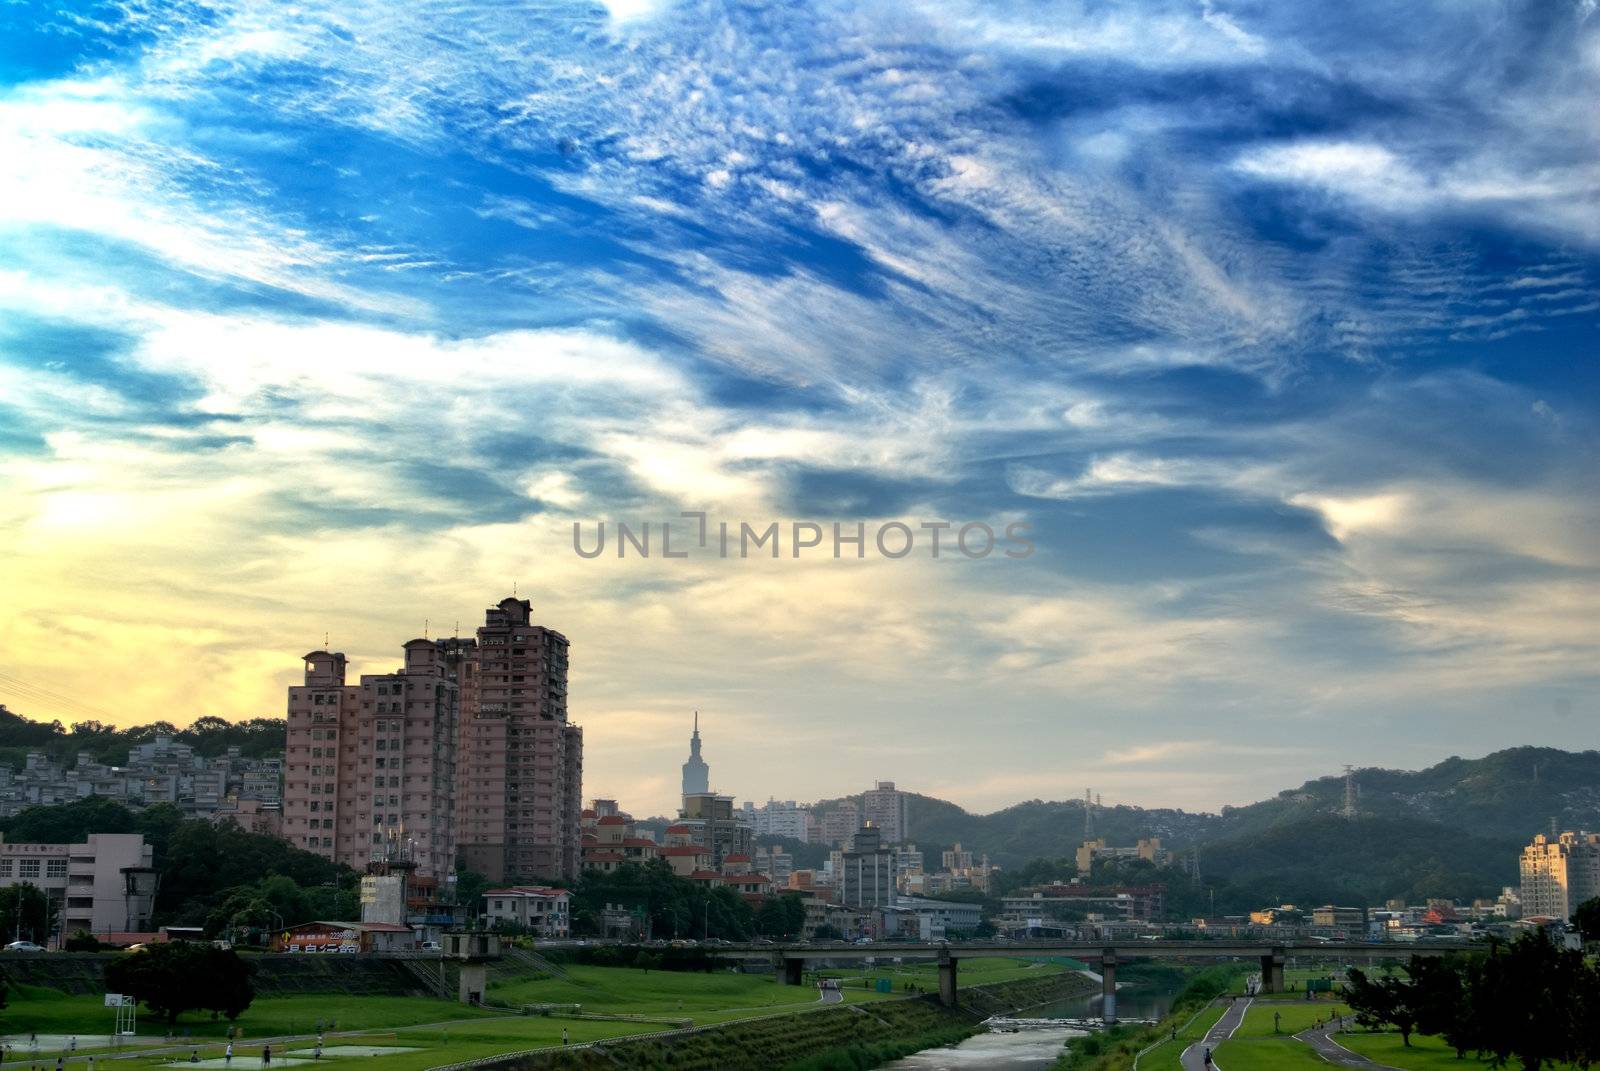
pixel 1115 1049
pixel 444 1032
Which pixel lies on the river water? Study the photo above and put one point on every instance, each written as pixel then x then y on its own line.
pixel 1033 1048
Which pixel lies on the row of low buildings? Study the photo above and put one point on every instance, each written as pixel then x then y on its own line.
pixel 163 770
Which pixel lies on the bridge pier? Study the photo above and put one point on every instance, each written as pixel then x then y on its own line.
pixel 791 971
pixel 947 979
pixel 1108 986
pixel 1272 971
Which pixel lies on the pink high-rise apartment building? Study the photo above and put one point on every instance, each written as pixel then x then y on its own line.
pixel 519 804
pixel 371 763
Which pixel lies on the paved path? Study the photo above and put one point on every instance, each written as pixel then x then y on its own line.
pixel 1194 1057
pixel 832 996
pixel 1321 1040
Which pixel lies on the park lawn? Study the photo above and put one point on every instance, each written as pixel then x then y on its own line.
pixel 985 971
pixel 1269 1053
pixel 1168 1056
pixel 1295 1017
pixel 704 998
pixel 1425 1053
pixel 48 1011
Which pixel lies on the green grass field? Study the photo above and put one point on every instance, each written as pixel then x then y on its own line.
pixel 1167 1056
pixel 705 998
pixel 445 1032
pixel 1424 1054
pixel 1258 1021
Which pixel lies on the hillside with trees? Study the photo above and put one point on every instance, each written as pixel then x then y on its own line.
pixel 209 736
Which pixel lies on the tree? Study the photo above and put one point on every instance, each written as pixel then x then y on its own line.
pixel 178 977
pixel 81 941
pixel 1440 989
pixel 1385 1000
pixel 1525 997
pixel 781 916
pixel 827 932
pixel 27 912
pixel 1587 919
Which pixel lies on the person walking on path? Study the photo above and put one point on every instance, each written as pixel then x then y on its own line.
pixel 227 1055
pixel 563 1035
pixel 266 1056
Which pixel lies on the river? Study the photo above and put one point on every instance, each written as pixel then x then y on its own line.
pixel 1034 1048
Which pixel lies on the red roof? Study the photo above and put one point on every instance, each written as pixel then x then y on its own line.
pixel 588 838
pixel 680 828
pixel 640 842
pixel 737 857
pixel 686 849
pixel 588 812
pixel 602 857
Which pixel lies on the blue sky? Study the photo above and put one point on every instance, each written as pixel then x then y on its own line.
pixel 1277 322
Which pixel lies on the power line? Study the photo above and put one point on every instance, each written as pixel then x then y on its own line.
pixel 36 694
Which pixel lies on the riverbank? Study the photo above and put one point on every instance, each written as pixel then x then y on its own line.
pixel 835 1038
pixel 1161 1044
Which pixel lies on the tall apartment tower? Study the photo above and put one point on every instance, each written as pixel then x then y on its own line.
pixel 696 774
pixel 520 799
pixel 374 763
pixel 885 807
pixel 1559 873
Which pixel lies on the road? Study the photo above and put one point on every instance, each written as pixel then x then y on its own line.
pixel 1330 1050
pixel 832 996
pixel 1194 1057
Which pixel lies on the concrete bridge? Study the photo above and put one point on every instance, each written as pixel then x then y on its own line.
pixel 790 960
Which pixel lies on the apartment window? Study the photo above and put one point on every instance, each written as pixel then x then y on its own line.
pixel 327 823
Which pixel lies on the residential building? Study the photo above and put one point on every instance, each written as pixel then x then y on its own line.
pixel 884 807
pixel 776 818
pixel 370 762
pixel 866 872
pixel 105 885
pixel 536 909
pixel 1148 848
pixel 712 822
pixel 775 863
pixel 696 774
pixel 521 795
pixel 1352 919
pixel 160 771
pixel 841 823
pixel 1559 873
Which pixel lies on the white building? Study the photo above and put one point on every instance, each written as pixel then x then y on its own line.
pixel 106 885
pixel 885 808
pixel 930 920
pixel 534 908
pixel 1560 873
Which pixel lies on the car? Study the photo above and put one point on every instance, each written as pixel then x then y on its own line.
pixel 24 946
pixel 430 946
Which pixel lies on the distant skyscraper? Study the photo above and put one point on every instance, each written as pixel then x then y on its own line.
pixel 696 774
